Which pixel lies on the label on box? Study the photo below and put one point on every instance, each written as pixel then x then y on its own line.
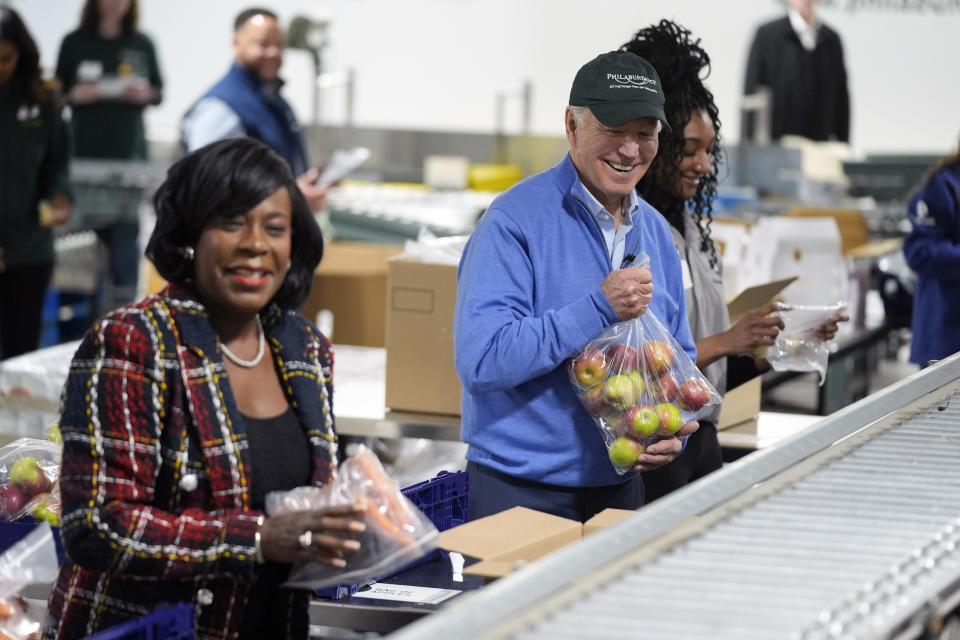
pixel 406 593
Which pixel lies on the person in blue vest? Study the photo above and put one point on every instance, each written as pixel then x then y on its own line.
pixel 247 101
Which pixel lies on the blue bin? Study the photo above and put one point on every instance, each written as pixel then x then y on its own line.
pixel 166 622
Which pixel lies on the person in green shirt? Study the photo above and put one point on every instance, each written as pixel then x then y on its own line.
pixel 34 186
pixel 110 74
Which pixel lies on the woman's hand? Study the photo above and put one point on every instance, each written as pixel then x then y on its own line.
pixel 665 450
pixel 84 93
pixel 332 533
pixel 756 329
pixel 828 329
pixel 138 92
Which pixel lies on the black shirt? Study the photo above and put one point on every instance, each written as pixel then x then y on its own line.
pixel 279 461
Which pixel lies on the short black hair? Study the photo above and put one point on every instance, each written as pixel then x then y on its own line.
pixel 244 16
pixel 224 179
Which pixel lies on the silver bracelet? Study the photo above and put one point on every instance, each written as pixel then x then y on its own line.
pixel 256 541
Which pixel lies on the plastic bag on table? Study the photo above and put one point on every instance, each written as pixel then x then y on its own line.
pixel 29 471
pixel 639 385
pixel 31 560
pixel 798 347
pixel 397 531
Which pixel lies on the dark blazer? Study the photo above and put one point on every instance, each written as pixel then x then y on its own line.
pixel 810 96
pixel 156 470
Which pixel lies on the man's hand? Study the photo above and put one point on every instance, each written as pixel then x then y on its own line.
pixel 629 291
pixel 664 451
pixel 316 196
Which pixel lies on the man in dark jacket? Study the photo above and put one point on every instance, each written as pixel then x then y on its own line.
pixel 800 60
pixel 247 101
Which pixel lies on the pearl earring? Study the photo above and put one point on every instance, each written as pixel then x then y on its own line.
pixel 188 253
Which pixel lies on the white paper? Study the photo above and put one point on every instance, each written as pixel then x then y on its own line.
pixel 406 593
pixel 342 162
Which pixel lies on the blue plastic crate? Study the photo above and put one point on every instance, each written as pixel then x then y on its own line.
pixel 442 499
pixel 12 532
pixel 176 622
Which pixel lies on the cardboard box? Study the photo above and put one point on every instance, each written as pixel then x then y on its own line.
pixel 740 404
pixel 743 403
pixel 420 304
pixel 511 538
pixel 351 282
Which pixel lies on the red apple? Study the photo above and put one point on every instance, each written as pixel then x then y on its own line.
pixel 662 389
pixel 641 421
pixel 12 499
pixel 27 473
pixel 657 356
pixel 623 358
pixel 621 391
pixel 692 395
pixel 590 367
pixel 670 418
pixel 624 452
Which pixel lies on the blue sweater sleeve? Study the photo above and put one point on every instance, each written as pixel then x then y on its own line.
pixel 932 249
pixel 499 341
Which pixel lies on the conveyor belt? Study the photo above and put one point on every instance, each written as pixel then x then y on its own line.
pixel 849 530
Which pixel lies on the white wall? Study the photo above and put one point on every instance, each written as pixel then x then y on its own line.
pixel 437 64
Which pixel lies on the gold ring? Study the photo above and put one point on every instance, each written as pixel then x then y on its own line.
pixel 305 539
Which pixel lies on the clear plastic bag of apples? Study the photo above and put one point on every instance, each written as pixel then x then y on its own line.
pixel 639 386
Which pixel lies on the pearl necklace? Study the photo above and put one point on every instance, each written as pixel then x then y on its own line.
pixel 240 362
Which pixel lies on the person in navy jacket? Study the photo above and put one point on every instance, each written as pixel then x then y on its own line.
pixel 247 102
pixel 547 269
pixel 933 250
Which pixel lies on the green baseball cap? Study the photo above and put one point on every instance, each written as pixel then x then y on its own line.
pixel 618 87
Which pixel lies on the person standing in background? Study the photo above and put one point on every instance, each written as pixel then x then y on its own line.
pixel 34 186
pixel 932 250
pixel 247 102
pixel 110 74
pixel 800 60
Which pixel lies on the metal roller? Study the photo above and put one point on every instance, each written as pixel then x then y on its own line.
pixel 850 529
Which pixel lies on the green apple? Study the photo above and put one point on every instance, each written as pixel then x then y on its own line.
pixel 45 506
pixel 641 420
pixel 53 434
pixel 670 418
pixel 624 452
pixel 27 473
pixel 621 391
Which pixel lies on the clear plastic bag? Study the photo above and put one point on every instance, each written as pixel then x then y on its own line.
pixel 29 474
pixel 639 385
pixel 798 347
pixel 397 531
pixel 31 560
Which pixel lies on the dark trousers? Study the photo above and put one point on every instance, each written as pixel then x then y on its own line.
pixel 492 492
pixel 701 456
pixel 22 290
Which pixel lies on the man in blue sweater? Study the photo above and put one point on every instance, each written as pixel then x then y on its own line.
pixel 247 101
pixel 545 271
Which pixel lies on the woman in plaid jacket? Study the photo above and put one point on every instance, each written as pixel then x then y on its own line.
pixel 175 425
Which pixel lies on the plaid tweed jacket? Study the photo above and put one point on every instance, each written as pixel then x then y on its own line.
pixel 156 470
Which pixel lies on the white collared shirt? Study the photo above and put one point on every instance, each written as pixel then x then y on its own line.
pixel 806 32
pixel 614 236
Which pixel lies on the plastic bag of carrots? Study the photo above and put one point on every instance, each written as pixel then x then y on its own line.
pixel 397 531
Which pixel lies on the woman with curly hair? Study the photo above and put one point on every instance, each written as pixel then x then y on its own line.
pixel 682 183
